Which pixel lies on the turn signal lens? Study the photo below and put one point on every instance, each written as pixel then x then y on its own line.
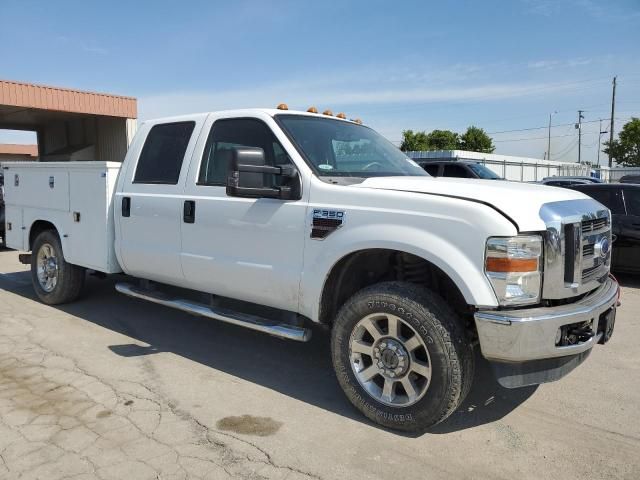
pixel 283 106
pixel 512 264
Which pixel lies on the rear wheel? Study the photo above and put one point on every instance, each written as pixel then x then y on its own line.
pixel 54 280
pixel 401 356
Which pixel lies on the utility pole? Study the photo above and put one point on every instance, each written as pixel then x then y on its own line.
pixel 549 139
pixel 600 133
pixel 613 111
pixel 579 127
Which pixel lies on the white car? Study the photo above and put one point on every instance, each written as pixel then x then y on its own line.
pixel 321 220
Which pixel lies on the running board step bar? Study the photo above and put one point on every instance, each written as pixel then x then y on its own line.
pixel 253 322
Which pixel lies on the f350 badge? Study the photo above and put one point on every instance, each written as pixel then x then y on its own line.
pixel 325 222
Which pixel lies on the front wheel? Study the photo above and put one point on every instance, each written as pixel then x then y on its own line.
pixel 401 356
pixel 54 280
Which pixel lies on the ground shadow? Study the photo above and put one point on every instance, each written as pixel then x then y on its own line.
pixel 299 370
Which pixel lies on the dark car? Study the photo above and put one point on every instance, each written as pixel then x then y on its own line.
pixel 567 181
pixel 630 179
pixel 459 169
pixel 624 202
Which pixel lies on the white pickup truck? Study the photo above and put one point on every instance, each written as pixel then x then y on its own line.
pixel 275 219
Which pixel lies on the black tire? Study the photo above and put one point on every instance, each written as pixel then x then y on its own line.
pixel 70 278
pixel 451 354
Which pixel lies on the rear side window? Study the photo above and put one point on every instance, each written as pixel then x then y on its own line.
pixel 163 153
pixel 609 197
pixel 431 169
pixel 455 171
pixel 632 199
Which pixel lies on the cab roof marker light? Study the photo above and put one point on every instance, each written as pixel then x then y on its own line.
pixel 328 113
pixel 312 110
pixel 283 106
pixel 342 116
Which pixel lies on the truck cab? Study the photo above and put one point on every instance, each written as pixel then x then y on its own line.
pixel 274 220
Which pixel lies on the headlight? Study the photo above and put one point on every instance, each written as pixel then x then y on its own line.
pixel 513 266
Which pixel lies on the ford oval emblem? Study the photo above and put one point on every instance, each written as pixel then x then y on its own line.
pixel 602 248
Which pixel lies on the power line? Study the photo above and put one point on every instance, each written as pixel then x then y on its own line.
pixel 543 138
pixel 540 128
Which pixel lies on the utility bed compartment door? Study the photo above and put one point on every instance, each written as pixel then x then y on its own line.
pixel 14 227
pixel 38 188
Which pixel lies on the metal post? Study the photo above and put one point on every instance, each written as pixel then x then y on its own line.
pixel 613 109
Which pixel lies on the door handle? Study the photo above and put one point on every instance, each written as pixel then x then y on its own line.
pixel 189 211
pixel 126 206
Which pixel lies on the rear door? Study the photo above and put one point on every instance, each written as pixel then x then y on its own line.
pixel 148 204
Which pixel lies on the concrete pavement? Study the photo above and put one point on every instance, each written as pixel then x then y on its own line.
pixel 112 387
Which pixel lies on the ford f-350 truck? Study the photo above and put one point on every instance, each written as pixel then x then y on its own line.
pixel 275 219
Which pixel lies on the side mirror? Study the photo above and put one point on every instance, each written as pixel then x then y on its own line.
pixel 248 176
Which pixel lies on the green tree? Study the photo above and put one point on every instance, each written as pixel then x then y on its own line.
pixel 442 140
pixel 414 141
pixel 626 150
pixel 476 140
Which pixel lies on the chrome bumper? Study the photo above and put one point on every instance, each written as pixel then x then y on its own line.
pixel 529 334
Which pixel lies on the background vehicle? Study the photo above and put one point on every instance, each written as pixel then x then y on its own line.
pixel 624 203
pixel 282 218
pixel 630 179
pixel 567 181
pixel 459 169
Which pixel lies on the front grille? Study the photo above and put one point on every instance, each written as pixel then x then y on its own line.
pixel 583 263
pixel 593 225
pixel 587 250
pixel 591 272
pixel 576 248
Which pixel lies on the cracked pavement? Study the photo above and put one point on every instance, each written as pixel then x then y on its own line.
pixel 111 387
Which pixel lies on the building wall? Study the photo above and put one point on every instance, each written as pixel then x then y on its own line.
pixel 7 157
pixel 107 137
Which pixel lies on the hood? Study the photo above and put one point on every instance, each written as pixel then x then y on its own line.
pixel 521 202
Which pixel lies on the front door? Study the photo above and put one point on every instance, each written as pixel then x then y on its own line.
pixel 245 248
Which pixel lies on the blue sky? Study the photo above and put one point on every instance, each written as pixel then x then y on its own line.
pixel 499 65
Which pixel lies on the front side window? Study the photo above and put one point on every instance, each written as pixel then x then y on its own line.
pixel 335 148
pixel 225 135
pixel 163 153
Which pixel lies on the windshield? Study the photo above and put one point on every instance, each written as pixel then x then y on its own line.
pixel 335 148
pixel 484 172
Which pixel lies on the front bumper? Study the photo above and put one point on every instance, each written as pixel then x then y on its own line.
pixel 530 334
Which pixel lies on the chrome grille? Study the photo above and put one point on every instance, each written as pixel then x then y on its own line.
pixel 576 258
pixel 595 224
